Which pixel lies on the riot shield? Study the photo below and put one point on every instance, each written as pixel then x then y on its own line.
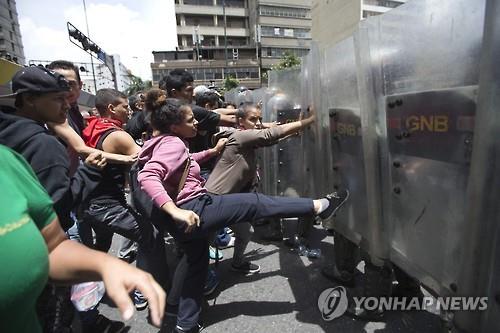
pixel 422 109
pixel 480 266
pixel 315 137
pixel 347 159
pixel 285 158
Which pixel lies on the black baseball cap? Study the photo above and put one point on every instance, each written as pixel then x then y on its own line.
pixel 37 79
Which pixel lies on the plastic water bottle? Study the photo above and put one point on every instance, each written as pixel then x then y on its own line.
pixel 85 296
pixel 307 252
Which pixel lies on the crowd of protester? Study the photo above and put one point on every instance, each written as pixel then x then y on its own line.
pixel 174 159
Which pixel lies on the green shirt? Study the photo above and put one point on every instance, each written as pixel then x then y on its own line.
pixel 25 209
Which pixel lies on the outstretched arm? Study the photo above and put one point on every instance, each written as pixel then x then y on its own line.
pixel 71 262
pixel 271 136
pixel 72 139
pixel 227 120
pixel 294 127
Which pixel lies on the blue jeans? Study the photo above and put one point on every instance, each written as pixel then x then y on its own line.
pixel 216 212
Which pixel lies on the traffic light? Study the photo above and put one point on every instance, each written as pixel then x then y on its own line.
pixel 83 41
pixel 79 39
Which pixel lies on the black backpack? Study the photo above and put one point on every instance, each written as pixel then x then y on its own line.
pixel 140 201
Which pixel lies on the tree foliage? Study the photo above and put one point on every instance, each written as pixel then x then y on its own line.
pixel 230 83
pixel 289 60
pixel 136 85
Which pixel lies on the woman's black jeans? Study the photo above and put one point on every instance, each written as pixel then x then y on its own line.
pixel 216 212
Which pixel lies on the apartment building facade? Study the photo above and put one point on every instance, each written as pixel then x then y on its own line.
pixel 237 38
pixel 283 26
pixel 11 45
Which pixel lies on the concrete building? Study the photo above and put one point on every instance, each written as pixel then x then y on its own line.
pixel 202 22
pixel 256 35
pixel 334 20
pixel 11 44
pixel 281 26
pixel 102 74
pixel 104 78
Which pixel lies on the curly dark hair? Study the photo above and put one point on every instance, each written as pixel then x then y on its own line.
pixel 154 99
pixel 168 112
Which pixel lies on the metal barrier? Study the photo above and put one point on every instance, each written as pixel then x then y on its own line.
pixel 396 124
pixel 422 112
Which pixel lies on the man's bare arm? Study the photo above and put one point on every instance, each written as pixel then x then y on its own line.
pixel 120 142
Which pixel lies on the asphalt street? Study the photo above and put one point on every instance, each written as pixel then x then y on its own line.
pixel 283 297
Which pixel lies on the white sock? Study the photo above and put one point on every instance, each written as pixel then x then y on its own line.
pixel 323 205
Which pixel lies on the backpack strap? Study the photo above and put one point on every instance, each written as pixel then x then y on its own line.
pixel 184 176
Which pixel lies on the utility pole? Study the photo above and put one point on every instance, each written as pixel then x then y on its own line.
pixel 257 49
pixel 225 34
pixel 197 43
pixel 88 34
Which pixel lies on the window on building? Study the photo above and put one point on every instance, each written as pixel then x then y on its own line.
pixel 208 41
pixel 11 35
pixel 13 47
pixel 2 41
pixel 199 2
pixel 383 3
pixel 237 41
pixel 232 22
pixel 13 28
pixel 279 52
pixel 10 14
pixel 235 22
pixel 267 31
pixel 284 11
pixel 368 13
pixel 233 3
pixel 201 20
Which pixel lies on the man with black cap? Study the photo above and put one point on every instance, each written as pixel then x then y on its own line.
pixel 40 97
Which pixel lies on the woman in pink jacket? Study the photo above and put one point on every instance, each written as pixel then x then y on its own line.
pixel 191 213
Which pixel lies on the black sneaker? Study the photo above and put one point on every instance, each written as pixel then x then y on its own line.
pixel 196 329
pixel 246 268
pixel 140 301
pixel 336 200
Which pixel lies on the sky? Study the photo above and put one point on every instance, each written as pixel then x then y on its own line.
pixel 129 28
